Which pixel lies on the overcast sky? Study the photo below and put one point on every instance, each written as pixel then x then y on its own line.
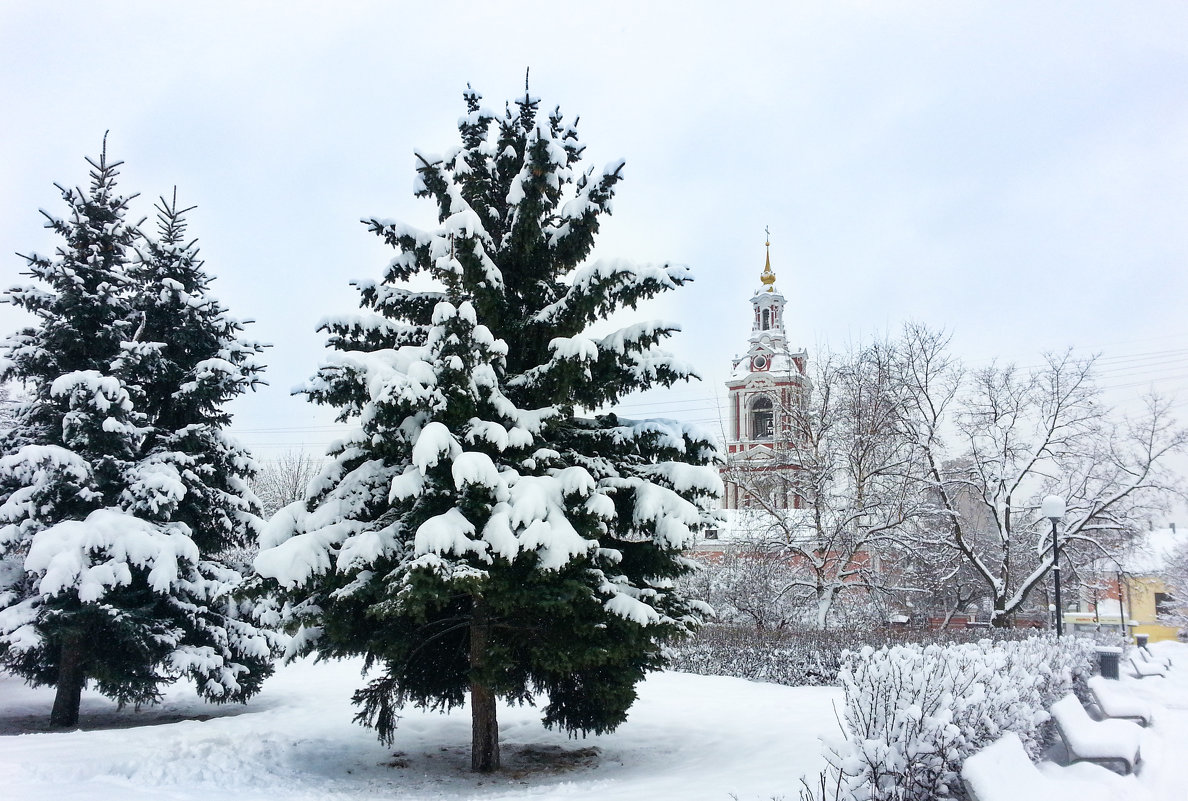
pixel 1015 172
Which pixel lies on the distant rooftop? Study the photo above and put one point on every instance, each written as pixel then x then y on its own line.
pixel 1152 551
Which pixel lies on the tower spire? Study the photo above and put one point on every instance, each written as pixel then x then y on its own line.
pixel 768 277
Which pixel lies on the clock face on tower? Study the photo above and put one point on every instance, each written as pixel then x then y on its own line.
pixel 760 363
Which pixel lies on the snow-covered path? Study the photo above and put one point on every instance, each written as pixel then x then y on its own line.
pixel 688 738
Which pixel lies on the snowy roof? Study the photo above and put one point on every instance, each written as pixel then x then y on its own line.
pixel 1151 551
pixel 779 358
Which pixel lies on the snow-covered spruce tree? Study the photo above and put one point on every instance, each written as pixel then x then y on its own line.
pixel 475 536
pixel 109 567
pixel 187 360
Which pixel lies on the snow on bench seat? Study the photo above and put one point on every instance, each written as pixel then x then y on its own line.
pixel 1114 702
pixel 1146 655
pixel 1143 669
pixel 1106 742
pixel 1002 771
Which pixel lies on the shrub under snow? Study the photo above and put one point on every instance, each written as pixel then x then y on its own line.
pixel 804 657
pixel 800 657
pixel 913 713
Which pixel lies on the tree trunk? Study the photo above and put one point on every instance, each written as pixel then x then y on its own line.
pixel 484 724
pixel 71 679
pixel 1000 619
pixel 948 617
pixel 824 604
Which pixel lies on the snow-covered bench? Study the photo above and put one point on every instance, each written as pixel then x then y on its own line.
pixel 1142 669
pixel 1002 771
pixel 1106 742
pixel 1146 655
pixel 1116 703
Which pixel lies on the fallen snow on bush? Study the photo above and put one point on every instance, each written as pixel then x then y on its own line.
pixel 914 713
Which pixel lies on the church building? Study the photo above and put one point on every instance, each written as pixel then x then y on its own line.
pixel 767 390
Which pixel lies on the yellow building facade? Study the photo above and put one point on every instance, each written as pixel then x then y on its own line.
pixel 1132 590
pixel 1146 594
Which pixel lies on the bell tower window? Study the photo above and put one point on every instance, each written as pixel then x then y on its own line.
pixel 766 319
pixel 762 419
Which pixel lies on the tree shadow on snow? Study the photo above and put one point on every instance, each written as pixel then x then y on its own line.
pixel 520 762
pixel 527 760
pixel 36 721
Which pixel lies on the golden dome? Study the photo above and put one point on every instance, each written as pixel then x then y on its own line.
pixel 768 277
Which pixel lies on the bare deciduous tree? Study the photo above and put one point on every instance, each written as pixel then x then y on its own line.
pixel 1175 579
pixel 1017 435
pixel 284 480
pixel 747 585
pixel 847 458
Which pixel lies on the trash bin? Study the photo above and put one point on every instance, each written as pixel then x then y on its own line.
pixel 1141 640
pixel 1107 661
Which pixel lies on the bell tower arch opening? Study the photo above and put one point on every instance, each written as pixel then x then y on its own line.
pixel 762 418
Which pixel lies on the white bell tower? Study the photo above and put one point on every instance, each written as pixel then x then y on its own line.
pixel 767 389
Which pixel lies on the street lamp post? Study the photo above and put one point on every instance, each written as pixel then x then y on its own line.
pixel 1052 508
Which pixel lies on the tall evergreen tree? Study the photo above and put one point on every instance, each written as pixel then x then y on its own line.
pixel 109 533
pixel 186 361
pixel 475 535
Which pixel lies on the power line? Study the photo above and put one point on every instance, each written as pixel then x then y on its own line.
pixel 1114 372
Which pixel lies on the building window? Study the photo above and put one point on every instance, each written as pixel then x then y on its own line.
pixel 766 319
pixel 762 419
pixel 711 533
pixel 1165 604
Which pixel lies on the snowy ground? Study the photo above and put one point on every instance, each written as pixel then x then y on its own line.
pixel 689 737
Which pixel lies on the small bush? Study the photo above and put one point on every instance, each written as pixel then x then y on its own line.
pixel 914 713
pixel 917 703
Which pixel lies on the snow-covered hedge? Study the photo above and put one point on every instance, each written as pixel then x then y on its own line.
pixel 803 658
pixel 913 713
pixel 799 657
